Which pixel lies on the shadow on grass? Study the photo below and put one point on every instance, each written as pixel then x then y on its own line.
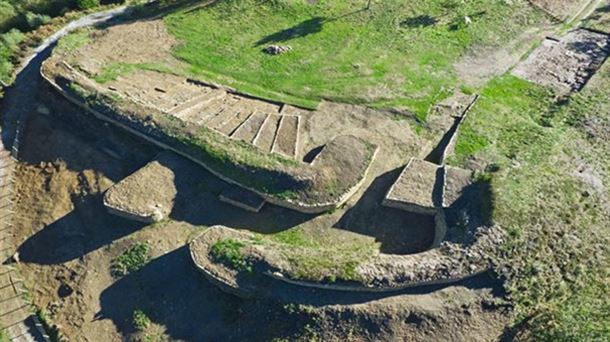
pixel 473 209
pixel 418 21
pixel 301 30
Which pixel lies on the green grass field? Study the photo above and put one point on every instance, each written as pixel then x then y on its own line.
pixel 395 54
pixel 556 260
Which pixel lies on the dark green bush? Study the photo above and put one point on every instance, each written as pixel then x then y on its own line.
pixel 87 4
pixel 131 260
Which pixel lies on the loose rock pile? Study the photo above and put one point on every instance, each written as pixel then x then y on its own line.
pixel 277 49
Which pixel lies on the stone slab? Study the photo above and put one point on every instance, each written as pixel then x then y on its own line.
pixel 418 188
pixel 148 194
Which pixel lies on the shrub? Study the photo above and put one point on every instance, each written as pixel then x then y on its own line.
pixel 228 252
pixel 87 4
pixel 35 20
pixel 131 260
pixel 8 15
pixel 9 44
pixel 4 336
pixel 140 320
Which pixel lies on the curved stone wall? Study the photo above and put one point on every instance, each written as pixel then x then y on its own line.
pixel 451 262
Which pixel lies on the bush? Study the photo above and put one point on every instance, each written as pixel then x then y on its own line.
pixel 35 20
pixel 7 15
pixel 228 252
pixel 87 4
pixel 140 320
pixel 131 260
pixel 3 336
pixel 9 44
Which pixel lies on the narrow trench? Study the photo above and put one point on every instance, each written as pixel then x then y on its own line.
pixel 437 155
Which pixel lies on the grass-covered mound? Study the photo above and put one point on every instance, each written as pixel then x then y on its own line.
pixel 295 255
pixel 395 53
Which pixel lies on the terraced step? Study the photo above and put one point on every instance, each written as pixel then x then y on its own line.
pixel 197 99
pixel 204 113
pixel 265 137
pixel 190 112
pixel 178 95
pixel 242 115
pixel 11 317
pixel 228 110
pixel 287 136
pixel 248 130
pixel 242 198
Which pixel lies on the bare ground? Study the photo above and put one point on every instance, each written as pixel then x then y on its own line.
pixel 560 9
pixel 67 242
pixel 483 63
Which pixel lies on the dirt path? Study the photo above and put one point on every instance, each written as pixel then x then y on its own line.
pixel 16 317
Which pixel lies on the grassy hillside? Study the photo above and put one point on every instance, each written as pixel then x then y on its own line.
pixel 550 180
pixel 397 53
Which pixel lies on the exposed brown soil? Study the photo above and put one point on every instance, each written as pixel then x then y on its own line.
pixel 483 63
pixel 70 241
pixel 418 184
pixel 566 65
pixel 396 138
pixel 561 9
pixel 287 136
pixel 67 240
pixel 116 43
pixel 148 194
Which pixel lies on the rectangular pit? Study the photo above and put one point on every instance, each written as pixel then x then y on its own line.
pixel 266 135
pixel 247 131
pixel 287 136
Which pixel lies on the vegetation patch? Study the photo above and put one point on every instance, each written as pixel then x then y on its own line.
pixel 395 53
pixel 321 260
pixel 132 260
pixel 556 259
pixel 73 41
pixel 9 46
pixel 51 329
pixel 229 252
pixel 140 320
pixel 4 336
